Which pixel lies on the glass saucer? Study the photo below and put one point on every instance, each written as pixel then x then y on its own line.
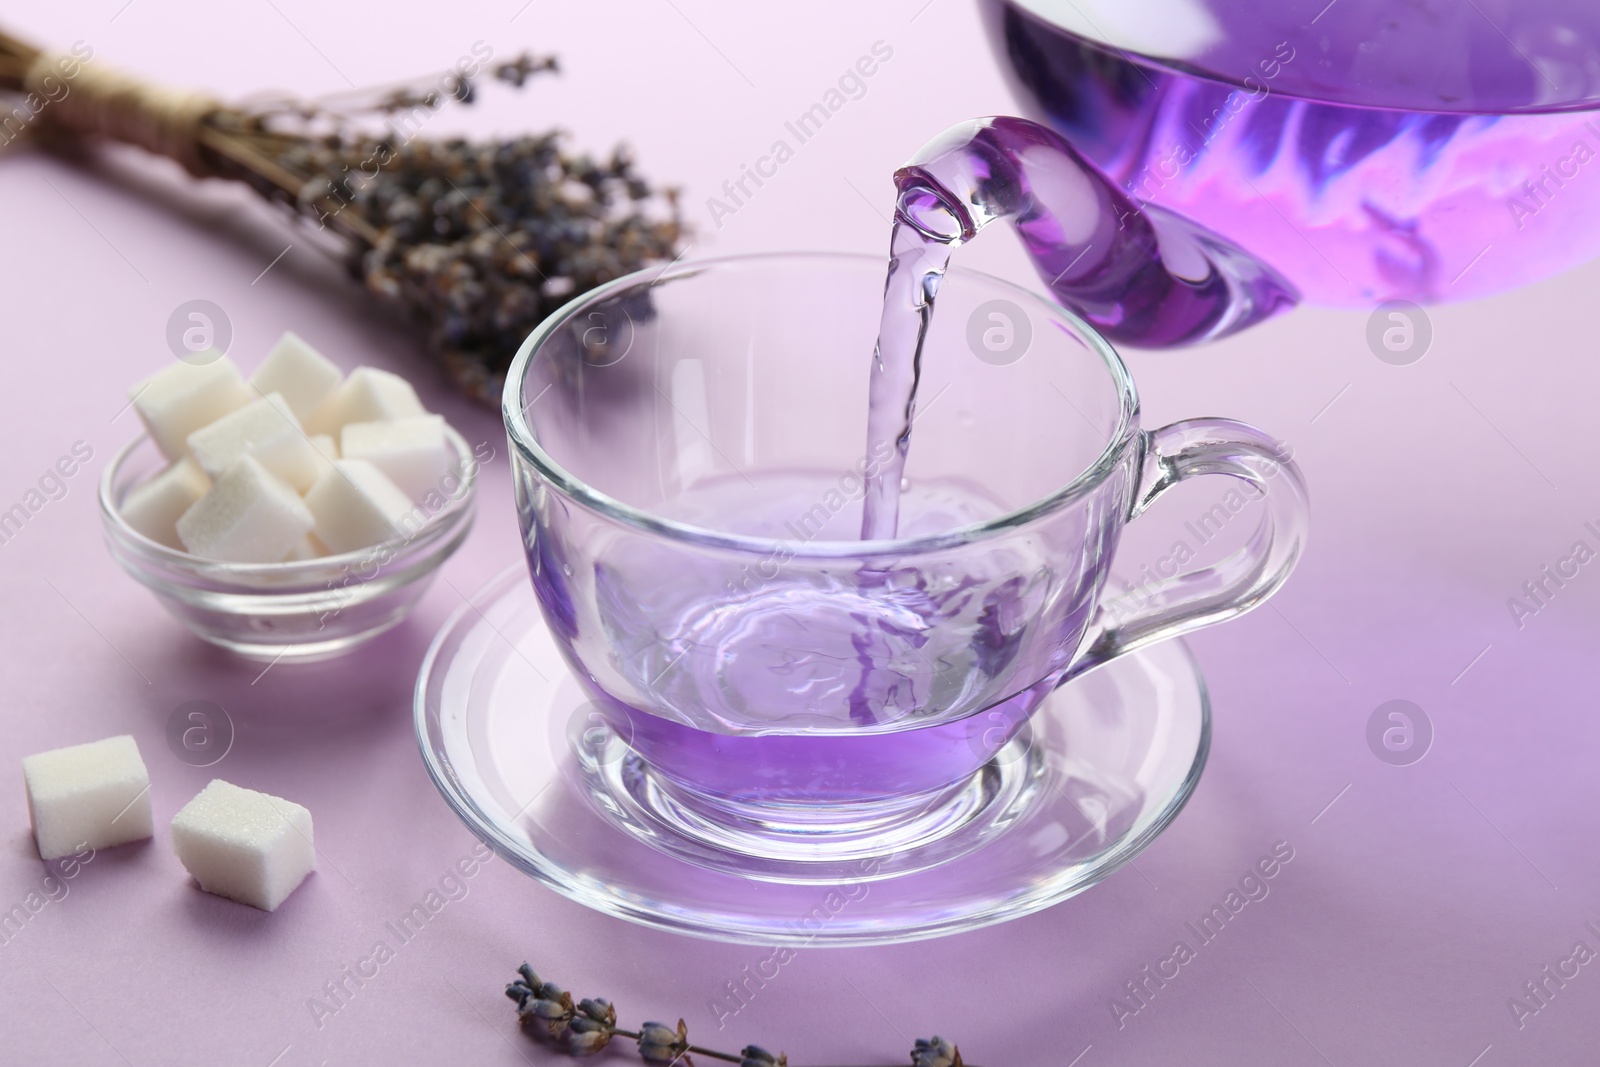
pixel 511 742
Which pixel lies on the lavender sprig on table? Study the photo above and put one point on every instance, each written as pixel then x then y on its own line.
pixel 548 1012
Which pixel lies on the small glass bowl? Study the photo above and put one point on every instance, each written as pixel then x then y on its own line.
pixel 303 610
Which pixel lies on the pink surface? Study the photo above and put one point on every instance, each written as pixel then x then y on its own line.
pixel 1420 899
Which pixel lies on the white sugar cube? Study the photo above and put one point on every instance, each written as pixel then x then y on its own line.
pixel 303 375
pixel 308 547
pixel 368 395
pixel 411 451
pixel 177 401
pixel 247 846
pixel 267 431
pixel 87 796
pixel 248 516
pixel 356 505
pixel 153 507
pixel 327 451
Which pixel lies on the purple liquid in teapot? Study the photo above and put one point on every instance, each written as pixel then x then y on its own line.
pixel 1367 150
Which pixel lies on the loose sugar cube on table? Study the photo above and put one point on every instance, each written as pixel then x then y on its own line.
pixel 248 516
pixel 87 796
pixel 153 507
pixel 301 374
pixel 411 451
pixel 368 395
pixel 267 431
pixel 247 846
pixel 184 397
pixel 356 505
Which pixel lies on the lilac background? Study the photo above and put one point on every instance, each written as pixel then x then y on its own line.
pixel 1416 904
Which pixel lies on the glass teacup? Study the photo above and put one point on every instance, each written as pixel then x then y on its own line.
pixel 690 452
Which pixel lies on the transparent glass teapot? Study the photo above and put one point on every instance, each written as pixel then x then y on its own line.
pixel 1244 155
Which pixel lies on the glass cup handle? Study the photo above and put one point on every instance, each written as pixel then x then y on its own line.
pixel 1184 602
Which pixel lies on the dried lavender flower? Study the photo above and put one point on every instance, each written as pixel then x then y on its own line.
pixel 589 1026
pixel 599 1010
pixel 659 1043
pixel 542 1007
pixel 756 1056
pixel 935 1052
pixel 587 1034
pixel 480 242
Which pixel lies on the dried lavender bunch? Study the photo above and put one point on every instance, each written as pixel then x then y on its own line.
pixel 482 241
pixel 474 241
pixel 548 1012
pixel 478 242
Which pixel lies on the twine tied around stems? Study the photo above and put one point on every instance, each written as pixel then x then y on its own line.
pixel 111 104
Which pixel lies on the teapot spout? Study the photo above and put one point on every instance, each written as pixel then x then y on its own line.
pixel 1140 274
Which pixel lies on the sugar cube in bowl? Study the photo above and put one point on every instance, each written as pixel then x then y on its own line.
pixel 154 507
pixel 265 430
pixel 299 373
pixel 247 516
pixel 258 532
pixel 411 451
pixel 368 395
pixel 354 505
pixel 183 397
